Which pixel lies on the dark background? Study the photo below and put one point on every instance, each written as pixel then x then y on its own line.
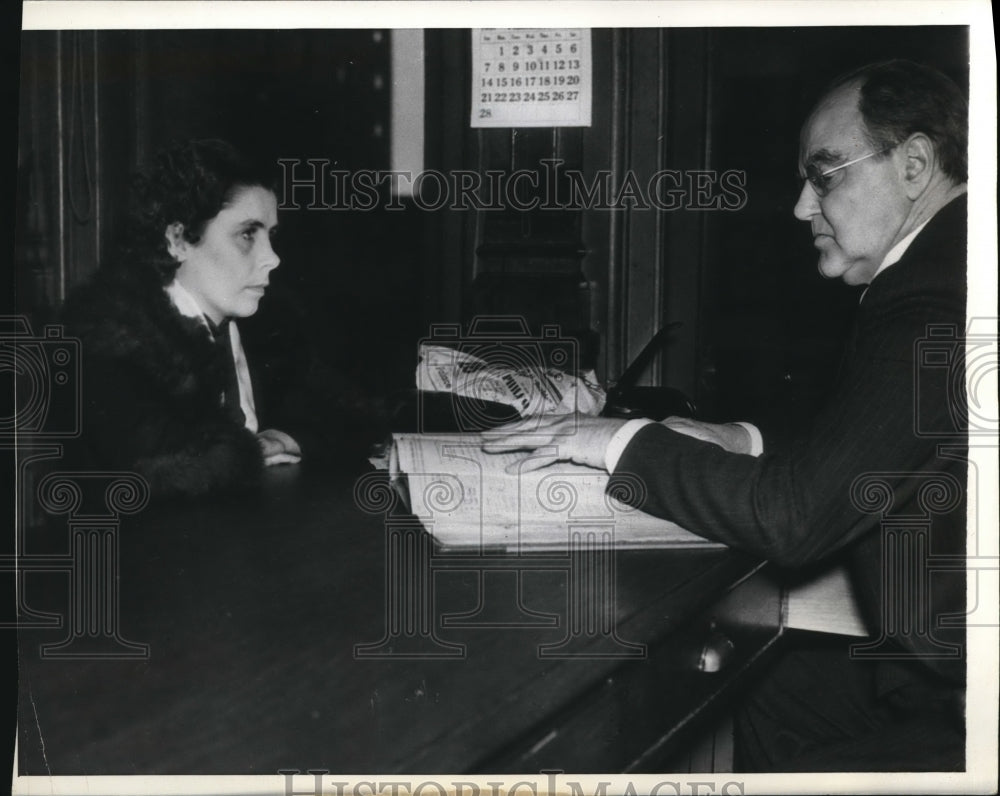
pixel 764 338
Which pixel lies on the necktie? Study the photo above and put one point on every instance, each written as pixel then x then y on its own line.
pixel 231 394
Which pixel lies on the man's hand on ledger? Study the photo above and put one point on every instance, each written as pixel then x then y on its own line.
pixel 582 439
pixel 728 436
pixel 278 448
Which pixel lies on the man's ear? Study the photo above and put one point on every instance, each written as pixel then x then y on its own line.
pixel 919 164
pixel 176 245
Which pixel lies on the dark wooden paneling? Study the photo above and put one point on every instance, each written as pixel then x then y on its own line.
pixel 608 273
pixel 449 145
pixel 604 151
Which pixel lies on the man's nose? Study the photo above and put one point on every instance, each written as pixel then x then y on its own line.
pixel 808 204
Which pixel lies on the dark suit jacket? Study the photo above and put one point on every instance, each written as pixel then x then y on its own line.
pixel 892 413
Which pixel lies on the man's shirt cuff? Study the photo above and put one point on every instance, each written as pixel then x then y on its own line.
pixel 756 440
pixel 620 441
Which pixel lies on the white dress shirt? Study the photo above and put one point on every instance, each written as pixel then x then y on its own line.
pixel 894 255
pixel 188 307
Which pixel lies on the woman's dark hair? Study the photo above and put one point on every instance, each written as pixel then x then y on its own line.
pixel 900 98
pixel 187 183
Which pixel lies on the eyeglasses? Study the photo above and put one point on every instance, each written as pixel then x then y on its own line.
pixel 820 180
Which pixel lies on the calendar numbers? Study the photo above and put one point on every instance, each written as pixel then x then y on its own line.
pixel 487 97
pixel 531 77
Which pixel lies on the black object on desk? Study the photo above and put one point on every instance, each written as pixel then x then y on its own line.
pixel 625 399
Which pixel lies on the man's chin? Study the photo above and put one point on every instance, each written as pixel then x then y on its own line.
pixel 850 273
pixel 832 267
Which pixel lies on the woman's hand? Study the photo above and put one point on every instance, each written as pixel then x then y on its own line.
pixel 582 439
pixel 278 448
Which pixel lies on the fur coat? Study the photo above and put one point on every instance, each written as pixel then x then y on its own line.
pixel 152 382
pixel 151 386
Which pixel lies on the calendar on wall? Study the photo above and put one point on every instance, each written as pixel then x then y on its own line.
pixel 531 77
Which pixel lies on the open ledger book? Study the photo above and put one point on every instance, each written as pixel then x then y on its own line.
pixel 465 498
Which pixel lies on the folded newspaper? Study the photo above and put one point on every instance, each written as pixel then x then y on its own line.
pixel 529 389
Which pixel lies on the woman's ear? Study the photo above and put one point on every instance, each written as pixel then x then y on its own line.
pixel 176 245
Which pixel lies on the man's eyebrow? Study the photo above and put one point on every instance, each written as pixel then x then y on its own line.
pixel 824 157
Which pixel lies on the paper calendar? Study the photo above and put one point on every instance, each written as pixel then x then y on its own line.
pixel 531 77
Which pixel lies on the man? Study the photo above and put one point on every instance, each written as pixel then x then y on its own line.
pixel 883 158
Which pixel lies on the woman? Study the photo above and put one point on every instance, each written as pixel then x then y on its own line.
pixel 167 388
